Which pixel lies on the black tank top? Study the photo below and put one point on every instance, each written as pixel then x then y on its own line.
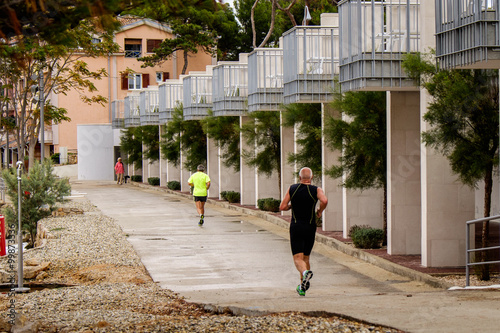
pixel 303 198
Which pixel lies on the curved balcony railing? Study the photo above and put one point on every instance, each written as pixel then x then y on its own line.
pixel 117 113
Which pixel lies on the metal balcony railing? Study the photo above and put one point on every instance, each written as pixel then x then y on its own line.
pixel 265 79
pixel 131 110
pixel 374 35
pixel 197 94
pixel 149 107
pixel 170 97
pixel 117 114
pixel 468 33
pixel 230 87
pixel 468 250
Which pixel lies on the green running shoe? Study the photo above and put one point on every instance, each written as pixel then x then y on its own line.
pixel 300 291
pixel 201 220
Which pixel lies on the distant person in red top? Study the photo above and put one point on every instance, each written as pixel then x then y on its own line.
pixel 119 170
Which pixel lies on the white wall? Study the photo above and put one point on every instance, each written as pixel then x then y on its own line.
pixel 95 152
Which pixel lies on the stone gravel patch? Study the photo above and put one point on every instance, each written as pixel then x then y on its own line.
pixel 112 291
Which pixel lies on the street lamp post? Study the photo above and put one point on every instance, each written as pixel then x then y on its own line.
pixel 20 273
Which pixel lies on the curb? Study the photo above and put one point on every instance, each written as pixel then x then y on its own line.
pixel 328 241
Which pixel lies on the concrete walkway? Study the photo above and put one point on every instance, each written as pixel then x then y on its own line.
pixel 244 263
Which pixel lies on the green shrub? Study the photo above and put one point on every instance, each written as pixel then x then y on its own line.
pixel 55 158
pixel 174 185
pixel 136 178
pixel 41 190
pixel 368 238
pixel 269 204
pixel 233 197
pixel 223 195
pixel 355 228
pixel 155 181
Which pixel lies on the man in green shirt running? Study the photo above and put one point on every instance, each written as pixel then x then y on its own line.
pixel 201 183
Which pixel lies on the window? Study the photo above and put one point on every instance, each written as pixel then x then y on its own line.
pixel 162 76
pixel 133 48
pixel 96 40
pixel 134 81
pixel 152 44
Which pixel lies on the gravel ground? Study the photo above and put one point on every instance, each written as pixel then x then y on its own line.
pixel 106 289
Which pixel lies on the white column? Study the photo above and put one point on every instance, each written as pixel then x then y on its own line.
pixel 213 168
pixel 403 173
pixel 229 179
pixel 247 173
pixel 288 145
pixel 332 217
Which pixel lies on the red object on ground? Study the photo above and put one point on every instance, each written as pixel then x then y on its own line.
pixel 2 236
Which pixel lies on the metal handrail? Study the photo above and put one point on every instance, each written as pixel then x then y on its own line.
pixel 468 250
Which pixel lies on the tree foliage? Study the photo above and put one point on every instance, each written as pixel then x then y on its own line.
pixel 307 119
pixel 263 132
pixel 63 71
pixel 361 136
pixel 185 135
pixel 197 25
pixel 131 147
pixel 464 123
pixel 40 193
pixel 225 132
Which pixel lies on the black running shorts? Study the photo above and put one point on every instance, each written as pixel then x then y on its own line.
pixel 202 199
pixel 302 237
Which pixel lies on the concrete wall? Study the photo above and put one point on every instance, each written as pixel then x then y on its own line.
pixel 95 152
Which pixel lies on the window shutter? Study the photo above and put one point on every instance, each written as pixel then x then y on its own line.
pixel 145 80
pixel 166 76
pixel 152 44
pixel 124 82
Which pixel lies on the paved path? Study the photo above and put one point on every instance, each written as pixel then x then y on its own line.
pixel 245 263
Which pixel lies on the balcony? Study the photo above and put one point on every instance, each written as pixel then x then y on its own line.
pixel 265 79
pixel 149 106
pixel 230 87
pixel 170 97
pixel 311 61
pixel 117 114
pixel 374 36
pixel 197 94
pixel 468 33
pixel 131 110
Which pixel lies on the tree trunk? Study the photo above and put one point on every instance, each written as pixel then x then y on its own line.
pixel 185 55
pixel 488 187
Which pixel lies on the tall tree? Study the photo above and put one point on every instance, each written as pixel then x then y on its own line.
pixel 360 134
pixel 225 132
pixel 263 132
pixel 307 119
pixel 464 125
pixel 131 146
pixel 185 135
pixel 62 70
pixel 197 25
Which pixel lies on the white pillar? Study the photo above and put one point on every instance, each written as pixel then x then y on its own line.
pixel 247 173
pixel 213 168
pixel 229 179
pixel 332 217
pixel 288 145
pixel 403 173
